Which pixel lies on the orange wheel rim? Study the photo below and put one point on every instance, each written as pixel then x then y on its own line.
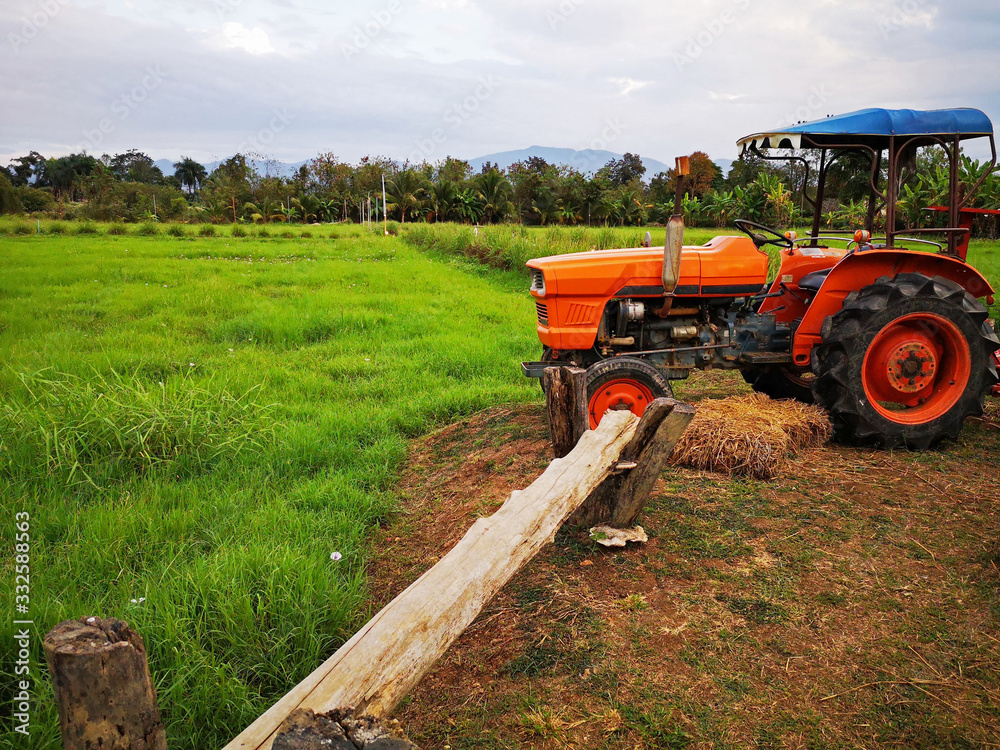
pixel 916 368
pixel 620 394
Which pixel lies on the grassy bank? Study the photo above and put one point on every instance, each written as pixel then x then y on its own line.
pixel 196 426
pixel 510 246
pixel 22 226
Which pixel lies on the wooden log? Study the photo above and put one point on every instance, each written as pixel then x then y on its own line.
pixel 566 403
pixel 305 730
pixel 376 668
pixel 620 498
pixel 102 686
pixel 638 483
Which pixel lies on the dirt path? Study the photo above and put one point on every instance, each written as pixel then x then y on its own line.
pixel 852 602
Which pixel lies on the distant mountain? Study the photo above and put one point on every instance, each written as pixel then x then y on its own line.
pixel 586 161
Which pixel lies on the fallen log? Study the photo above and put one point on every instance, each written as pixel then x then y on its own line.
pixel 376 668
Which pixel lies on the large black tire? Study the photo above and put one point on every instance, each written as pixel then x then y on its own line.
pixel 780 383
pixel 623 383
pixel 904 362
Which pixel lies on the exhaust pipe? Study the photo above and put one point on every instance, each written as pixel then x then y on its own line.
pixel 674 243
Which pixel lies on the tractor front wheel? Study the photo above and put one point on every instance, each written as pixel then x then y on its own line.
pixel 904 362
pixel 781 382
pixel 623 383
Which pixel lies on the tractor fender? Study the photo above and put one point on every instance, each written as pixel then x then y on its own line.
pixel 859 269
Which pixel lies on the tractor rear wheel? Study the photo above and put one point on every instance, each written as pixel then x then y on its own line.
pixel 780 382
pixel 904 362
pixel 623 383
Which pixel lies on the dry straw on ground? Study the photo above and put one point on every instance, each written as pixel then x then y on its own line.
pixel 750 435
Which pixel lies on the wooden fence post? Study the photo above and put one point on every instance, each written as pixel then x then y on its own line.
pixel 566 403
pixel 619 499
pixel 102 686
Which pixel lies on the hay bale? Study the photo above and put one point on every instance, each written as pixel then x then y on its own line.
pixel 750 435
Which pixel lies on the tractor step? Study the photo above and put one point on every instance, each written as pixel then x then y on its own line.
pixel 536 369
pixel 766 358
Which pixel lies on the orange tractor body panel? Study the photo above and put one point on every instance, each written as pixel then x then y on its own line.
pixel 579 285
pixel 858 270
pixel 792 306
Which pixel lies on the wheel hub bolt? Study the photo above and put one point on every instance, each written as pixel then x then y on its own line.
pixel 911 367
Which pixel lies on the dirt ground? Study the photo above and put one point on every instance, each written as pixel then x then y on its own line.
pixel 851 602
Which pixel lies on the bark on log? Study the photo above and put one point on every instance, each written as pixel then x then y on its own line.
pixel 102 686
pixel 566 403
pixel 619 499
pixel 376 668
pixel 305 730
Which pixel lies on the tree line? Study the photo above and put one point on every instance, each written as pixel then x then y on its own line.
pixel 129 186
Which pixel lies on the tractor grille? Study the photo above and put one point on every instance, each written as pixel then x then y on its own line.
pixel 537 281
pixel 543 313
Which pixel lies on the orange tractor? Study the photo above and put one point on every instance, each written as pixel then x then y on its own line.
pixel 889 337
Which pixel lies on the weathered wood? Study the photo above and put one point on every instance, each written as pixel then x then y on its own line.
pixel 102 687
pixel 376 668
pixel 638 483
pixel 566 403
pixel 305 730
pixel 601 505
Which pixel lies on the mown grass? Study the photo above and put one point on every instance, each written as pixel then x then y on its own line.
pixel 850 602
pixel 196 424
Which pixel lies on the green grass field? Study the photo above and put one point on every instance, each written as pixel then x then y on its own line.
pixel 196 423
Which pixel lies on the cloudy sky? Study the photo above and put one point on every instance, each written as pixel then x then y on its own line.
pixel 422 79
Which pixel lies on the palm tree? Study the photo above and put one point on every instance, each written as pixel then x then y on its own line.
pixel 468 206
pixel 546 205
pixel 310 207
pixel 190 173
pixel 407 192
pixel 442 199
pixel 495 192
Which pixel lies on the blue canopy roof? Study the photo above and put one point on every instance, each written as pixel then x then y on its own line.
pixel 873 127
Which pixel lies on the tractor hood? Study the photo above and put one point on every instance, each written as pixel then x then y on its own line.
pixel 724 266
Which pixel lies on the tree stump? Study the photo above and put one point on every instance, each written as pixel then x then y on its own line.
pixel 620 498
pixel 566 402
pixel 102 686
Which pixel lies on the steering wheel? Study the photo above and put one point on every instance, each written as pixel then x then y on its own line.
pixel 748 227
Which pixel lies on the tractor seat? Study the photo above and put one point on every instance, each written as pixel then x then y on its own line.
pixel 811 282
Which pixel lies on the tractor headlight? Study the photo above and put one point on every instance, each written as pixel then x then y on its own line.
pixel 538 281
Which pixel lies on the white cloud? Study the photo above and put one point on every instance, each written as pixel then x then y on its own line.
pixel 237 36
pixel 628 85
pixel 722 97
